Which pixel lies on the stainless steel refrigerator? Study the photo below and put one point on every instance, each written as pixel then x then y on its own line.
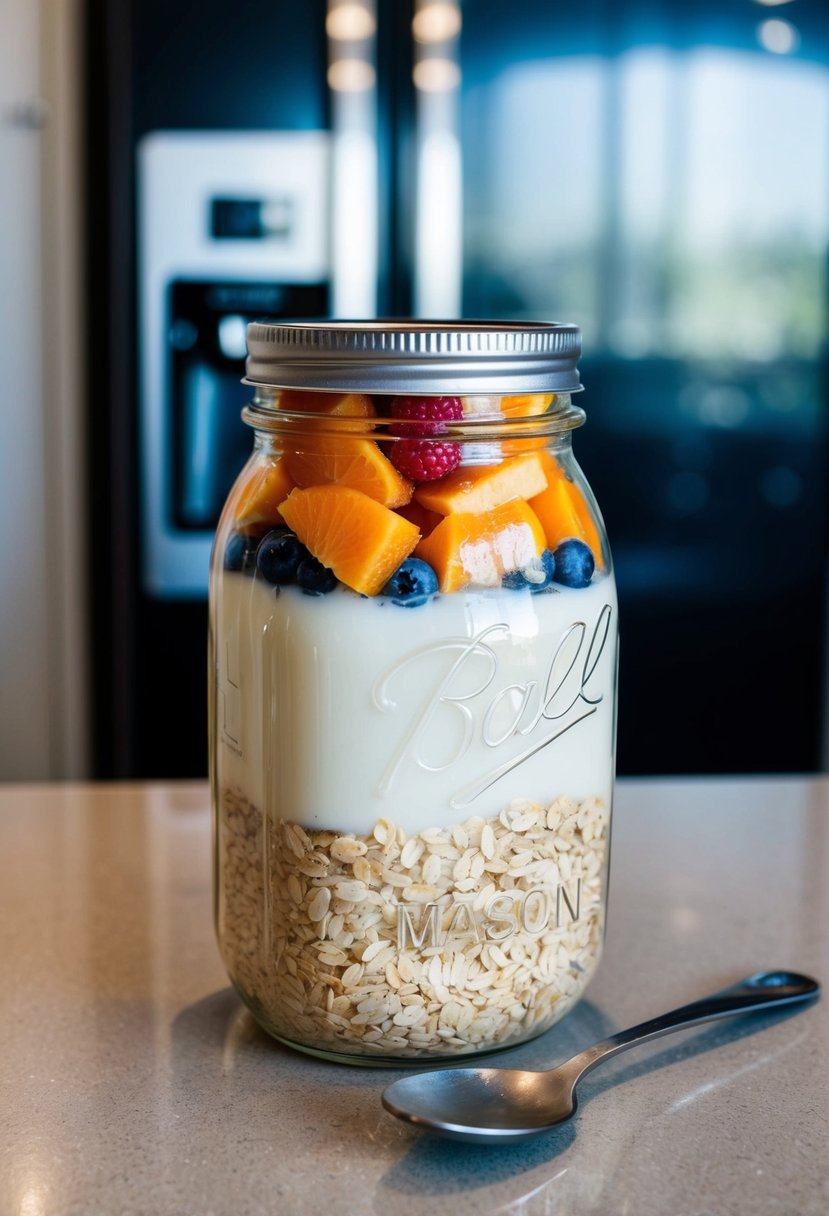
pixel 657 173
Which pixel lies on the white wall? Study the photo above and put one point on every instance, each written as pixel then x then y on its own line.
pixel 43 702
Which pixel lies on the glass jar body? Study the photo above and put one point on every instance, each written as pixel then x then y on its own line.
pixel 411 773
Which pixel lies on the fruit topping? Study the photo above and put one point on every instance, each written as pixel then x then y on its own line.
pixel 240 552
pixel 425 459
pixel 414 522
pixel 257 503
pixel 413 454
pixel 426 414
pixel 412 584
pixel 478 550
pixel 425 520
pixel 314 578
pixel 574 563
pixel 475 488
pixel 279 555
pixel 537 576
pixel 526 405
pixel 564 511
pixel 358 538
pixel 335 405
pixel 357 463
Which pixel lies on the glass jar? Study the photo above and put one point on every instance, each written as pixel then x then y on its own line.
pixel 413 684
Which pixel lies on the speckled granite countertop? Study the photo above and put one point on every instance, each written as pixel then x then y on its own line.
pixel 134 1082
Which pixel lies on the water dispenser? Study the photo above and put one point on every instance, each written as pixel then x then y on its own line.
pixel 232 227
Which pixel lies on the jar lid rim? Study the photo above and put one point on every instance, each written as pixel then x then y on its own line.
pixel 415 356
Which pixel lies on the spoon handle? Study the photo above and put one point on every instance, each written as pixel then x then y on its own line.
pixel 765 990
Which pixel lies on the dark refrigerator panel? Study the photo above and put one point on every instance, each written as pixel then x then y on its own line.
pixel 660 176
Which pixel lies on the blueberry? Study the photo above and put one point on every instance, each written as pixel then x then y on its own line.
pixel 515 580
pixel 279 555
pixel 412 584
pixel 537 577
pixel 240 552
pixel 574 563
pixel 547 569
pixel 314 578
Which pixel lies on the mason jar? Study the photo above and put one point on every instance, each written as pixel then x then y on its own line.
pixel 413 630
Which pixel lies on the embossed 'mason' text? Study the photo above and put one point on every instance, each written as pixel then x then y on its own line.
pixel 420 926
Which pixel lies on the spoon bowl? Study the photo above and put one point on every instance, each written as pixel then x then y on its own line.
pixel 502 1105
pixel 482 1104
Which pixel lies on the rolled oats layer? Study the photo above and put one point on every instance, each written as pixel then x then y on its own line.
pixel 454 940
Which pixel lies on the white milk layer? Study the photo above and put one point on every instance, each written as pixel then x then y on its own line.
pixel 335 711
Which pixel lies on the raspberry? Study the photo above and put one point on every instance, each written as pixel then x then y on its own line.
pixel 425 459
pixel 426 413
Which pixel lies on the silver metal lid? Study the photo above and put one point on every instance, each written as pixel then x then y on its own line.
pixel 451 357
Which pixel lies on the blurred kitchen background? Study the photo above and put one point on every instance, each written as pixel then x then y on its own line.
pixel 657 172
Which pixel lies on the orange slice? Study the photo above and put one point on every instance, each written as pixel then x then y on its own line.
pixel 356 463
pixel 564 511
pixel 358 538
pixel 527 405
pixel 478 550
pixel 473 488
pixel 333 405
pixel 259 499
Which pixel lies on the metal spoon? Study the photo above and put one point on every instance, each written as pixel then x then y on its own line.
pixel 502 1105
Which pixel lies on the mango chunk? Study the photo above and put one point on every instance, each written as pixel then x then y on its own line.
pixel 357 463
pixel 258 500
pixel 425 520
pixel 476 488
pixel 526 405
pixel 358 538
pixel 564 511
pixel 334 405
pixel 478 550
